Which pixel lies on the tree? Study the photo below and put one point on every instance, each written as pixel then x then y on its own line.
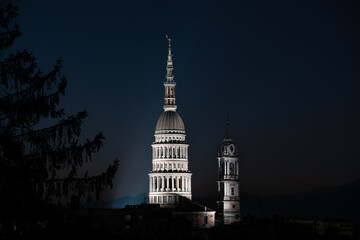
pixel 31 155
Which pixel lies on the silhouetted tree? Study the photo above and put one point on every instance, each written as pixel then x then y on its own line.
pixel 31 155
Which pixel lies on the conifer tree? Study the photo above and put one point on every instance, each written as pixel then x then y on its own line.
pixel 32 155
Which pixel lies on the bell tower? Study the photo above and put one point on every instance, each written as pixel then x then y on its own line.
pixel 228 180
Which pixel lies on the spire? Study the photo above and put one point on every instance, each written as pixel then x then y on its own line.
pixel 169 65
pixel 227 136
pixel 169 104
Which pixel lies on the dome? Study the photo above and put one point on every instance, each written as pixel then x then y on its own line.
pixel 170 120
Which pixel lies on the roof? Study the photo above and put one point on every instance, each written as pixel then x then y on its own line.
pixel 169 120
pixel 189 206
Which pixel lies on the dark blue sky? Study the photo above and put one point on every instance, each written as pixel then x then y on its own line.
pixel 288 72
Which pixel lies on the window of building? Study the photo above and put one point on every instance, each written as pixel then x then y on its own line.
pixel 231 167
pixel 164 199
pixel 170 165
pixel 205 219
pixel 127 217
pixel 175 199
pixel 170 199
pixel 233 206
pixel 232 190
pixel 165 165
pixel 159 198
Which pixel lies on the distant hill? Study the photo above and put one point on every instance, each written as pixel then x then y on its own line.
pixel 120 202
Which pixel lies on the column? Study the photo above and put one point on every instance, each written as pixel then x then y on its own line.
pixel 235 166
pixel 167 183
pixel 184 184
pixel 157 183
pixel 162 183
pixel 189 184
pixel 150 185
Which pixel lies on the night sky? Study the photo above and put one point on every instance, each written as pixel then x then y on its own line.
pixel 287 71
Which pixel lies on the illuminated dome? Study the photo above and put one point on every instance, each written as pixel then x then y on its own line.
pixel 169 120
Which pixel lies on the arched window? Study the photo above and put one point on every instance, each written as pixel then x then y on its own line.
pixel 231 168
